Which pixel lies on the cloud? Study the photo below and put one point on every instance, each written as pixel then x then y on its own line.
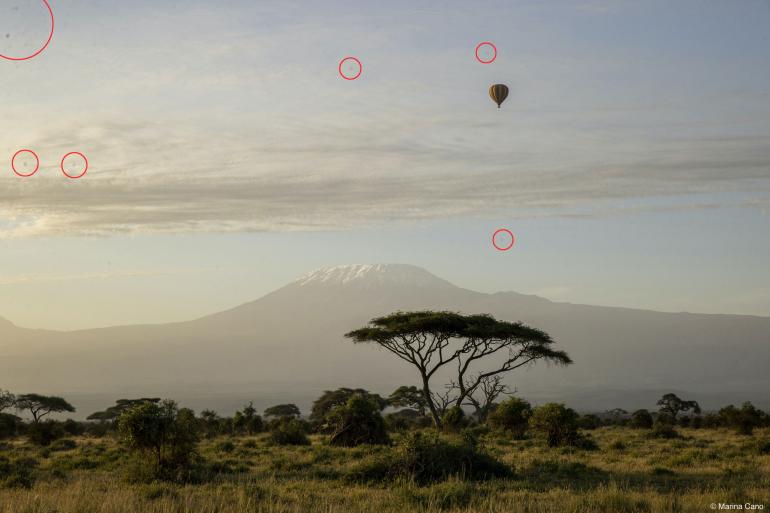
pixel 250 129
pixel 107 275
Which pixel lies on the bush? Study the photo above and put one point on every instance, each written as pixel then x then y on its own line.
pixel 663 429
pixel 18 473
pixel 405 419
pixel 164 439
pixel 8 425
pixel 289 432
pixel 589 422
pixel 357 422
pixel 44 432
pixel 512 416
pixel 454 419
pixel 225 446
pixel 743 419
pixel 65 444
pixel 556 423
pixel 428 459
pixel 641 419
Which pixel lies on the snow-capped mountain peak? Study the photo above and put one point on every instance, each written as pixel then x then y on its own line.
pixel 372 275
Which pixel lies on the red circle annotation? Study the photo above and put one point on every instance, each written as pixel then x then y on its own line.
pixel 13 165
pixel 45 45
pixel 494 54
pixel 503 248
pixel 360 68
pixel 65 157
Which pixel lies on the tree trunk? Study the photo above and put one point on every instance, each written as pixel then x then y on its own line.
pixel 429 400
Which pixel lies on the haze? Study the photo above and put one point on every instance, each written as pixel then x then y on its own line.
pixel 632 159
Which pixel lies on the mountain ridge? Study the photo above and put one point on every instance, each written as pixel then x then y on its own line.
pixel 295 335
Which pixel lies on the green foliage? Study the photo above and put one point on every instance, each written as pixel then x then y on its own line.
pixel 556 423
pixel 121 405
pixel 282 410
pixel 357 422
pixel 743 419
pixel 671 406
pixel 425 459
pixel 405 419
pixel 408 397
pixel 454 419
pixel 512 416
pixel 9 425
pixel 247 421
pixel 164 436
pixel 641 419
pixel 45 432
pixel 65 444
pixel 289 431
pixel 662 428
pixel 589 421
pixel 225 446
pixel 18 473
pixel 331 399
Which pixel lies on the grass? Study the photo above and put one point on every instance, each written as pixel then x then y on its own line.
pixel 629 473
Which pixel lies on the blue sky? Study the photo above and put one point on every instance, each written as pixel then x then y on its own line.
pixel 632 158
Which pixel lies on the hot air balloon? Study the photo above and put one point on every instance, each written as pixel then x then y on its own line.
pixel 498 93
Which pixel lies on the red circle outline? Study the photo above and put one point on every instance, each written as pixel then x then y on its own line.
pixel 477 52
pixel 65 157
pixel 360 68
pixel 50 36
pixel 506 230
pixel 37 166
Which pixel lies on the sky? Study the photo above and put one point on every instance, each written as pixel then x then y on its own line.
pixel 227 156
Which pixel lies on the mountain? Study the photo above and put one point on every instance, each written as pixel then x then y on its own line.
pixel 289 344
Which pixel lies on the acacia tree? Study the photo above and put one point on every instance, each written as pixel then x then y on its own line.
pixel 120 406
pixel 41 405
pixel 282 410
pixel 408 397
pixel 432 341
pixel 671 406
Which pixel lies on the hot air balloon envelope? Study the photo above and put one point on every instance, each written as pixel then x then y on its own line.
pixel 498 93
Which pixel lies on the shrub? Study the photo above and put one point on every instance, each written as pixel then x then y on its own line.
pixel 511 416
pixel 8 425
pixel 17 473
pixel 743 419
pixel 454 419
pixel 289 431
pixel 357 422
pixel 44 432
pixel 663 429
pixel 165 440
pixel 64 444
pixel 556 423
pixel 589 421
pixel 405 419
pixel 641 419
pixel 225 446
pixel 427 459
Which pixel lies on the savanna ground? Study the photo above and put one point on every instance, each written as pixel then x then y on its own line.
pixel 629 472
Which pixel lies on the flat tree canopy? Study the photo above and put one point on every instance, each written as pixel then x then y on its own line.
pixel 41 405
pixel 431 340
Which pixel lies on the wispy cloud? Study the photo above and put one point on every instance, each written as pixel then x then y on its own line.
pixel 15 279
pixel 248 128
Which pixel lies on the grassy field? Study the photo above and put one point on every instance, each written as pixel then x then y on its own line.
pixel 629 472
